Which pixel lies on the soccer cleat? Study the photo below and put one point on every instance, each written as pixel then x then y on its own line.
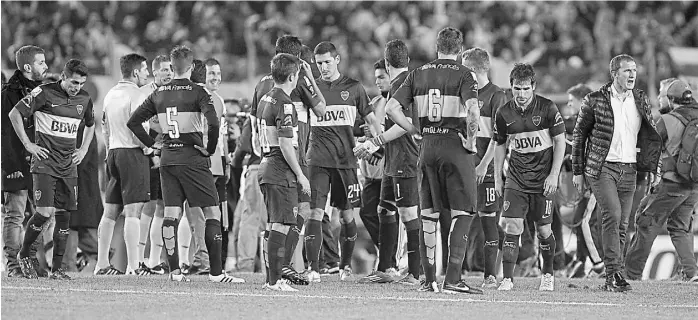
pixel 490 282
pixel 27 267
pixel 506 285
pixel 59 274
pixel 15 273
pixel 429 287
pixel 280 285
pixel 409 280
pixel 345 274
pixel 203 271
pixel 160 269
pixel 460 287
pixel 615 282
pixel 188 269
pixel 547 282
pixel 142 270
pixel 294 277
pixel 40 271
pixel 378 277
pixel 108 271
pixel 224 278
pixel 693 280
pixel 178 277
pixel 313 276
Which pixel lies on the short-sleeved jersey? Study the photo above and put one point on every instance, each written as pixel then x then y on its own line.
pixel 332 136
pixel 401 154
pixel 179 106
pixel 530 133
pixel 490 99
pixel 119 103
pixel 439 91
pixel 277 118
pixel 57 117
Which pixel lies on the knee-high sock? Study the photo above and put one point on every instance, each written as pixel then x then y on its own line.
pixel 105 232
pixel 214 244
pixel 429 248
pixel 265 253
pixel 489 228
pixel 458 243
pixel 155 242
pixel 60 237
pixel 34 228
pixel 313 243
pixel 413 254
pixel 277 242
pixel 292 240
pixel 547 250
pixel 348 239
pixel 143 236
pixel 184 240
pixel 510 253
pixel 169 240
pixel 387 233
pixel 132 231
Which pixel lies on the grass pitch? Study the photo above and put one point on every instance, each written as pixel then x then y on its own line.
pixel 153 297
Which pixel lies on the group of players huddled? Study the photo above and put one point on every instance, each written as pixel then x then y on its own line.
pixel 436 133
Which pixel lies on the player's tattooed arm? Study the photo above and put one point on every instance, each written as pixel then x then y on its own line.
pixel 473 116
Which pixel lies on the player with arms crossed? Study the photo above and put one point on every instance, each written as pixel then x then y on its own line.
pixel 331 157
pixel 58 108
pixel 444 94
pixel 491 98
pixel 185 165
pixel 535 131
pixel 279 169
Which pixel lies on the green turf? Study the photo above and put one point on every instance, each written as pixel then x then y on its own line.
pixel 153 297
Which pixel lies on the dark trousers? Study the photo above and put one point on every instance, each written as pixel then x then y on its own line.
pixel 370 198
pixel 614 189
pixel 673 204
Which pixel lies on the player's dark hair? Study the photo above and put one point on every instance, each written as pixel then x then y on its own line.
pixel 579 91
pixel 74 66
pixel 25 55
pixel 396 54
pixel 477 59
pixel 449 41
pixel 307 55
pixel 129 63
pixel 617 60
pixel 198 74
pixel 211 62
pixel 159 60
pixel 325 47
pixel 182 59
pixel 380 64
pixel 289 44
pixel 282 66
pixel 521 73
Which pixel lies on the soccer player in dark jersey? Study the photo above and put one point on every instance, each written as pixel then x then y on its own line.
pixel 184 169
pixel 58 108
pixel 399 187
pixel 535 131
pixel 490 99
pixel 331 157
pixel 279 171
pixel 305 97
pixel 444 95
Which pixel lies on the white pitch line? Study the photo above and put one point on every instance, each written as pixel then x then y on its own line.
pixel 387 298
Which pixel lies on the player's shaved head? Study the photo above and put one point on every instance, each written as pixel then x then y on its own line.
pixel 130 62
pixel 396 54
pixel 289 44
pixel 477 59
pixel 325 47
pixel 522 72
pixel 282 66
pixel 182 59
pixel 159 60
pixel 198 74
pixel 449 41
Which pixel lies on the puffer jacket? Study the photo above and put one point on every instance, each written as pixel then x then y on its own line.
pixel 594 130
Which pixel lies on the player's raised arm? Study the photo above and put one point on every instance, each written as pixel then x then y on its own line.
pixel 142 114
pixel 311 92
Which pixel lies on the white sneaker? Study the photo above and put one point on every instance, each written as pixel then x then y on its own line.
pixel 547 282
pixel 506 285
pixel 224 278
pixel 313 276
pixel 281 285
pixel 178 277
pixel 345 274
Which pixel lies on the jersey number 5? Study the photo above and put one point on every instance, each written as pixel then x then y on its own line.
pixel 435 108
pixel 172 122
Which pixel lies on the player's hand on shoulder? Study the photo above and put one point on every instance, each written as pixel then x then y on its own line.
pixel 202 150
pixel 305 184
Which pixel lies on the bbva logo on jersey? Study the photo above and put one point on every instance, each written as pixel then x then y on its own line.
pixel 332 115
pixel 527 142
pixel 63 127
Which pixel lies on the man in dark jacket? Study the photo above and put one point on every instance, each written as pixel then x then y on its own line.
pixel 16 179
pixel 614 139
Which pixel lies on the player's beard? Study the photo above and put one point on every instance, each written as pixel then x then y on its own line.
pixel 39 76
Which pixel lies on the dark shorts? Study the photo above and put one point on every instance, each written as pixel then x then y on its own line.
pixel 194 184
pixel 220 188
pixel 281 203
pixel 487 198
pixel 55 192
pixel 399 192
pixel 128 171
pixel 341 184
pixel 448 176
pixel 304 197
pixel 518 204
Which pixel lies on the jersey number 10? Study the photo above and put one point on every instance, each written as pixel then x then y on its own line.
pixel 171 113
pixel 435 109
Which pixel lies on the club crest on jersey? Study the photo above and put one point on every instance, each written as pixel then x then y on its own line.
pixel 37 195
pixel 288 108
pixel 505 206
pixel 536 120
pixel 344 95
pixel 79 107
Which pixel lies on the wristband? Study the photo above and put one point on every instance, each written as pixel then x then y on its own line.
pixel 378 141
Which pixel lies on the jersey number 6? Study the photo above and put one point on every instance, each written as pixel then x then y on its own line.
pixel 435 109
pixel 172 122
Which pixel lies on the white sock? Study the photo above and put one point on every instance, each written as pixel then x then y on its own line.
pixel 104 236
pixel 184 240
pixel 132 226
pixel 143 238
pixel 155 242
